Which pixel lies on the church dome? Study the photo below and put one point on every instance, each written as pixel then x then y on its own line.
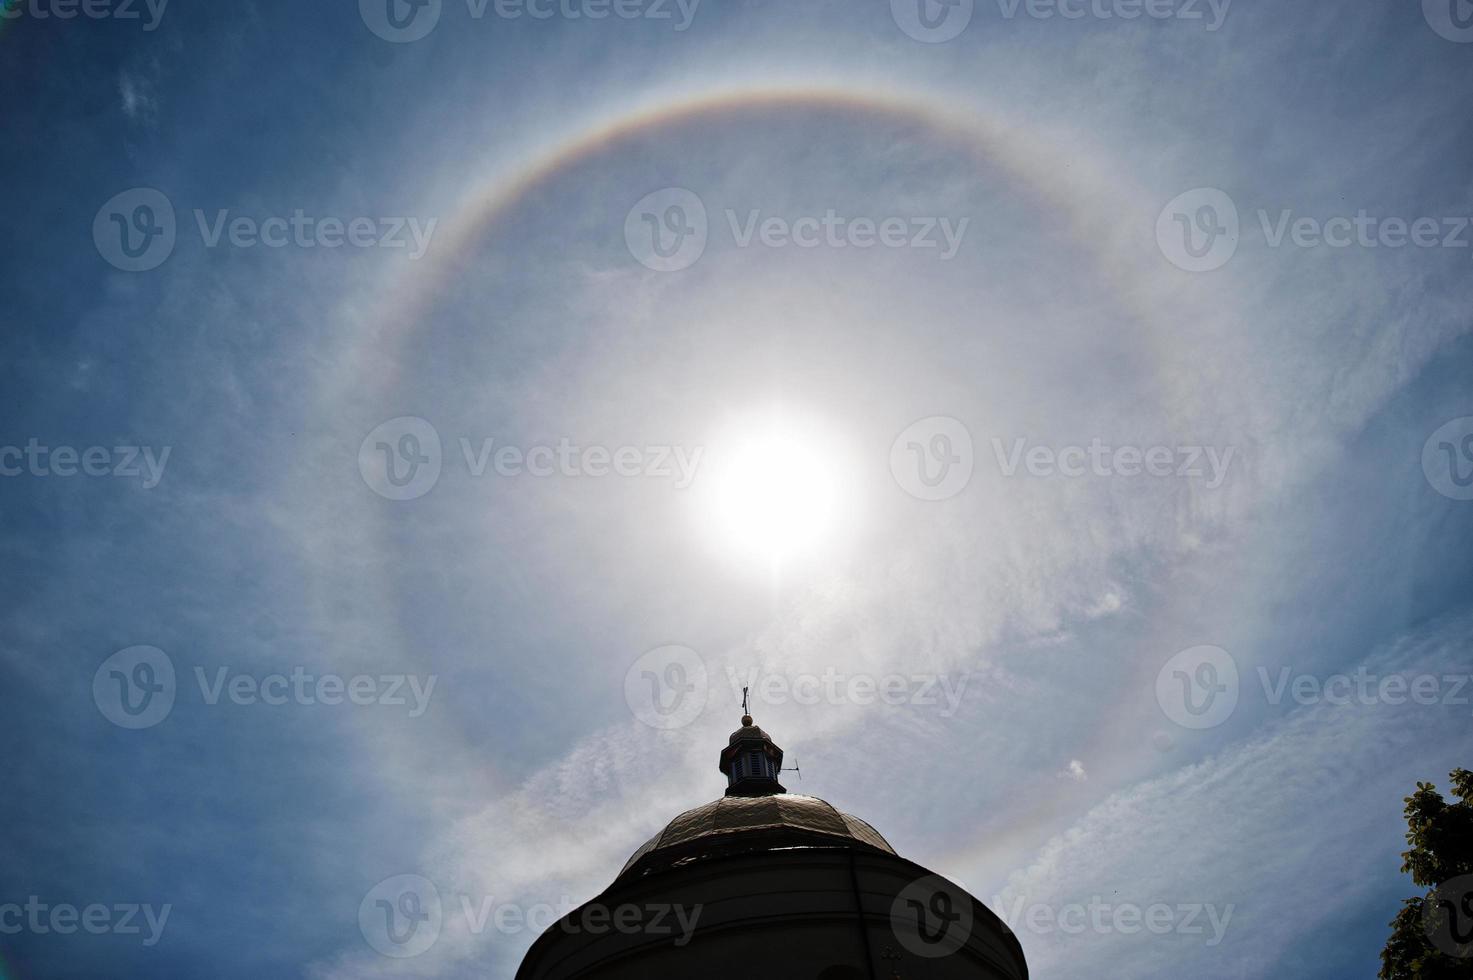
pixel 739 824
pixel 748 731
pixel 783 885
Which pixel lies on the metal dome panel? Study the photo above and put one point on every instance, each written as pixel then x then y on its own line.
pixel 733 824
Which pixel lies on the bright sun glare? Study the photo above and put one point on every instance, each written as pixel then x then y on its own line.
pixel 776 490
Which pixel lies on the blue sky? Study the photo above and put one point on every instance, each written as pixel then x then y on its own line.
pixel 847 462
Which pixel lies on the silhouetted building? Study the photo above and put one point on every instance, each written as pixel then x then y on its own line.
pixel 766 885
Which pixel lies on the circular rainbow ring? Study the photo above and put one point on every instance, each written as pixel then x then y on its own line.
pixel 1111 220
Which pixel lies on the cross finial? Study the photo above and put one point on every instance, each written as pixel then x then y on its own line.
pixel 746 715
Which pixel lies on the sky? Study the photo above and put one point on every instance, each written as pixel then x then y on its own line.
pixel 420 422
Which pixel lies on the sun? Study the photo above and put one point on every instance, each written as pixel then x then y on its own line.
pixel 776 490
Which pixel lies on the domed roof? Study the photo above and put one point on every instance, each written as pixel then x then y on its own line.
pixel 736 824
pixel 748 731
